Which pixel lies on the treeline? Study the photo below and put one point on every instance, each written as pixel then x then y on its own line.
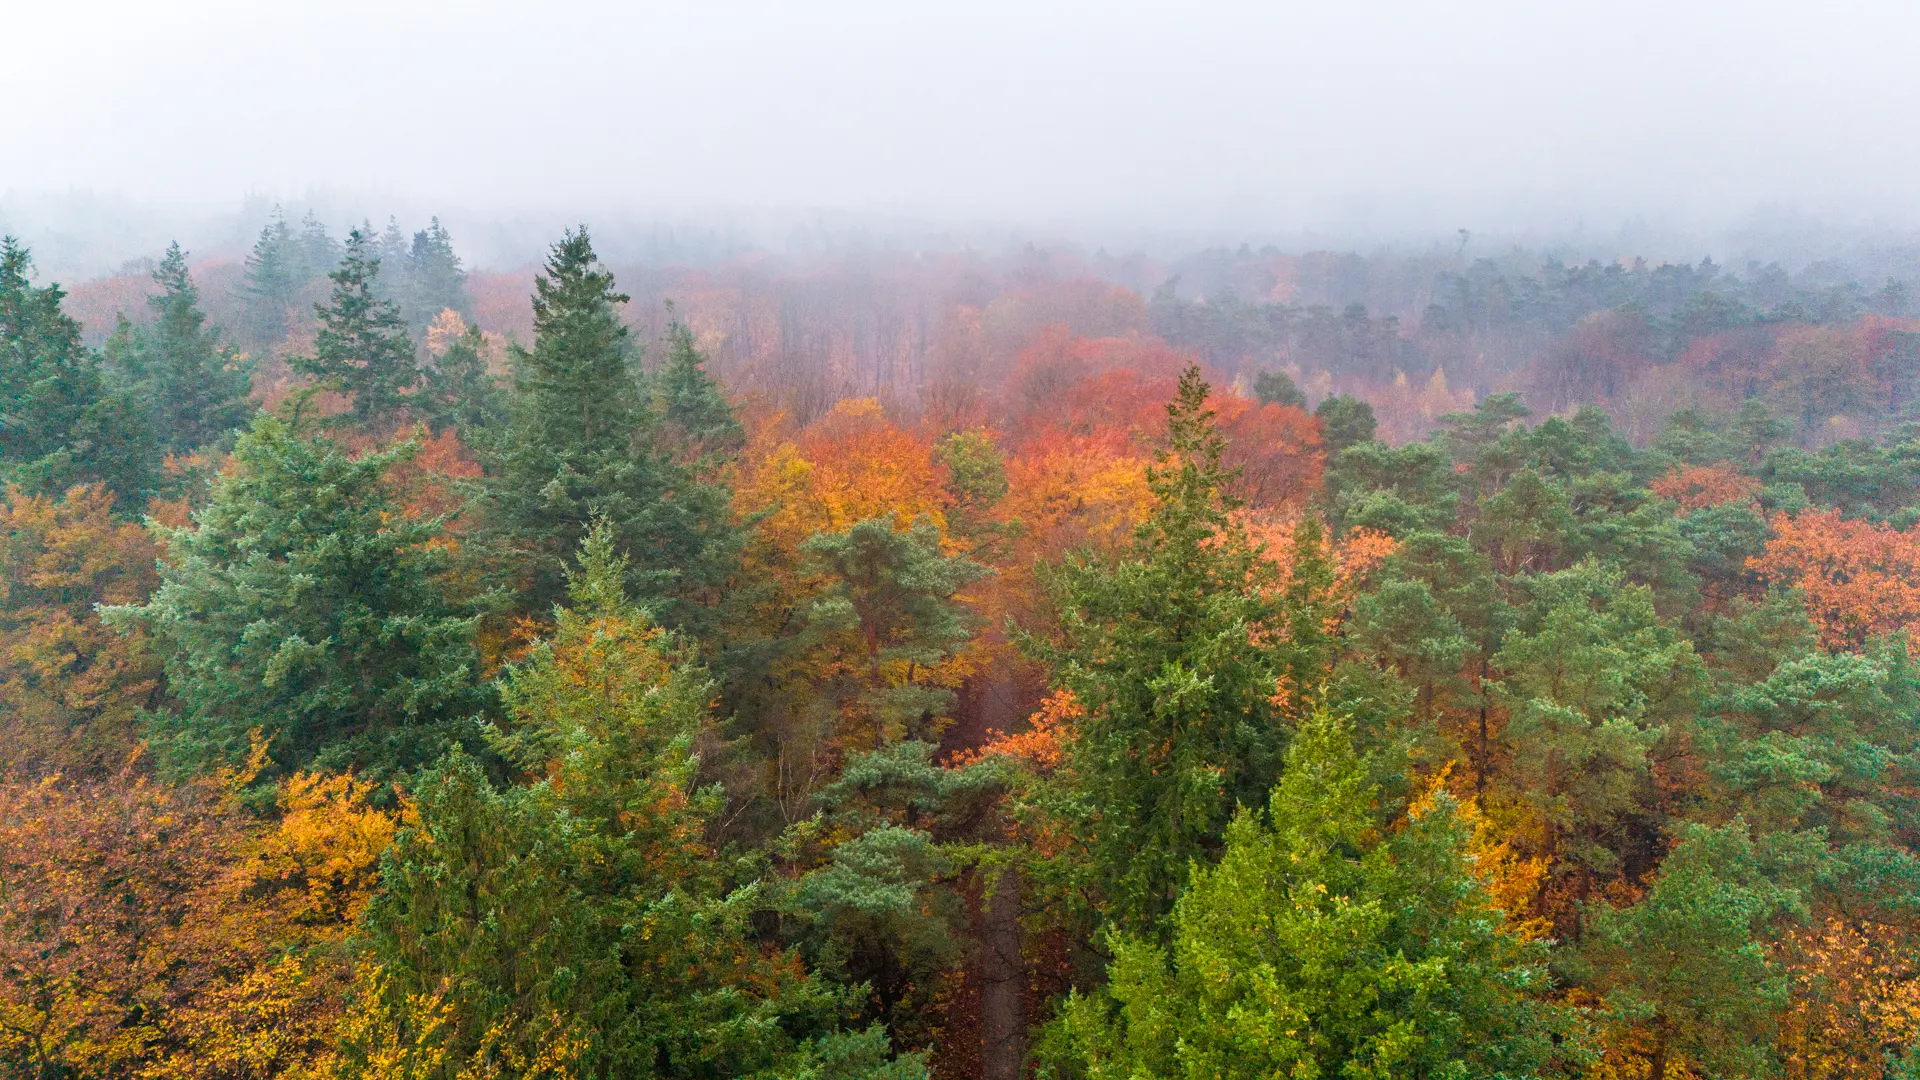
pixel 544 708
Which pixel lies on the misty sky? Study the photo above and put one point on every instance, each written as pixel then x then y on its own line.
pixel 1287 114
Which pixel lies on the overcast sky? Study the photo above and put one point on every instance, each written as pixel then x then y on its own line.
pixel 1286 114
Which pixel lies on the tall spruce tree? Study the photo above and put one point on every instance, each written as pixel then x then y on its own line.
pixel 585 443
pixel 306 604
pixel 1175 652
pixel 581 921
pixel 275 270
pixel 196 387
pixel 697 415
pixel 363 349
pixel 317 250
pixel 60 423
pixel 434 279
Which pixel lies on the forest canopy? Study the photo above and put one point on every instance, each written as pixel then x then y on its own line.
pixel 956 667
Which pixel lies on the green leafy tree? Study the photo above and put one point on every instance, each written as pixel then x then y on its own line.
pixel 1175 651
pixel 1319 947
pixel 306 603
pixel 60 424
pixel 578 925
pixel 976 478
pixel 363 349
pixel 883 910
pixel 196 387
pixel 582 444
pixel 1593 682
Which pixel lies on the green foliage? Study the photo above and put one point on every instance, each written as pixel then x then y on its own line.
pixel 584 442
pixel 883 911
pixel 363 349
pixel 577 923
pixel 1344 422
pixel 275 271
pixel 890 598
pixel 306 603
pixel 1277 388
pixel 1689 962
pixel 424 275
pixel 697 415
pixel 60 424
pixel 976 478
pixel 459 391
pixel 1176 652
pixel 195 387
pixel 1318 947
pixel 1593 682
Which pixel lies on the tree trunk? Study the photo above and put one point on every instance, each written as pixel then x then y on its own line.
pixel 1003 1010
pixel 1657 1065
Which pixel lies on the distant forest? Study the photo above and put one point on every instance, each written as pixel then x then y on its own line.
pixel 1416 336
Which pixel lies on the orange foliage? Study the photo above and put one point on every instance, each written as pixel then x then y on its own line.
pixel 149 930
pixel 1861 579
pixel 1353 557
pixel 70 688
pixel 1043 746
pixel 1856 992
pixel 851 465
pixel 1512 879
pixel 1277 449
pixel 1697 486
pixel 428 482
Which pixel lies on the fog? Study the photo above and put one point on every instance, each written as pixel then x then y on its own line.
pixel 1370 122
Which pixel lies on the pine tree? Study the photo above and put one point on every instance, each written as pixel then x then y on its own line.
pixel 60 424
pixel 580 921
pixel 699 420
pixel 459 390
pixel 196 388
pixel 1175 652
pixel 363 349
pixel 434 279
pixel 275 270
pixel 886 623
pixel 305 603
pixel 318 252
pixel 1318 947
pixel 584 443
pixel 1688 964
pixel 1277 388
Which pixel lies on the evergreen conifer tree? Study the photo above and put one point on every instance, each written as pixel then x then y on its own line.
pixel 305 603
pixel 459 390
pixel 363 349
pixel 434 279
pixel 196 387
pixel 318 252
pixel 1175 653
pixel 585 442
pixel 1318 947
pixel 580 920
pixel 275 270
pixel 60 424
